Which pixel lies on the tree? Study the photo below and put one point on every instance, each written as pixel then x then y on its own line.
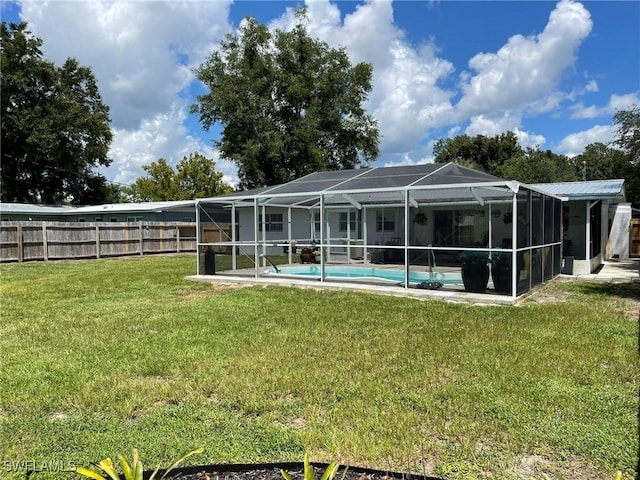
pixel 479 152
pixel 538 166
pixel 289 105
pixel 628 139
pixel 195 177
pixel 55 127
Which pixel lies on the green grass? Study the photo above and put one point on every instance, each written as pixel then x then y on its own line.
pixel 100 356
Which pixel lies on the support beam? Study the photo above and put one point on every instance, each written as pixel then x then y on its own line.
pixel 477 196
pixel 352 201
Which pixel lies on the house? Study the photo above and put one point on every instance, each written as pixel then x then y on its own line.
pixel 595 222
pixel 31 212
pixel 412 218
pixel 169 211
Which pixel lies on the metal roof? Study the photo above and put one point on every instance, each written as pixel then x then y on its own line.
pixel 587 190
pixel 132 207
pixel 33 209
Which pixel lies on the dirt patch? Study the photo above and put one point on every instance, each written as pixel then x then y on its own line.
pixel 537 466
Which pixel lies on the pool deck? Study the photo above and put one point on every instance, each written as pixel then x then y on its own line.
pixel 448 293
pixel 613 271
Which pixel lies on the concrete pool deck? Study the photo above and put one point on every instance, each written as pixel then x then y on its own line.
pixel 613 271
pixel 450 293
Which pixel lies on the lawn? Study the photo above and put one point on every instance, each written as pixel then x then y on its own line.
pixel 99 356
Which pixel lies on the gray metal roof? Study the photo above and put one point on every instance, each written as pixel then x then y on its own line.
pixel 587 190
pixel 132 207
pixel 32 209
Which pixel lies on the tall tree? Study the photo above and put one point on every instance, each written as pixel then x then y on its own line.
pixel 55 127
pixel 289 105
pixel 628 138
pixel 480 152
pixel 538 166
pixel 195 177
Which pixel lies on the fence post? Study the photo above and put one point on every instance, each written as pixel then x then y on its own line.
pixel 20 245
pixel 177 239
pixel 141 239
pixel 97 240
pixel 45 242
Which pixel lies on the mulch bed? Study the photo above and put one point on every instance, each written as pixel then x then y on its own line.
pixel 271 471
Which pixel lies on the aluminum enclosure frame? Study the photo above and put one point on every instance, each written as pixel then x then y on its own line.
pixel 535 216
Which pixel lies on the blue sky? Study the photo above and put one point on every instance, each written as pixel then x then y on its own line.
pixel 553 72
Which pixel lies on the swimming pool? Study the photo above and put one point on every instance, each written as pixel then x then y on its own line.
pixel 449 278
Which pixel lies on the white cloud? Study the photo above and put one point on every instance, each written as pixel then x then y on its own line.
pixel 141 54
pixel 525 69
pixel 615 104
pixel 574 144
pixel 406 98
pixel 163 136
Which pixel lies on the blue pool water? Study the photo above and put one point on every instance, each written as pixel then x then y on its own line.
pixel 366 272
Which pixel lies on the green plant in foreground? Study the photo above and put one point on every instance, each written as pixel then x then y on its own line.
pixel 310 473
pixel 133 471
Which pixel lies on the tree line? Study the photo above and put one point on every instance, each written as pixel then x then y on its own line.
pixel 288 105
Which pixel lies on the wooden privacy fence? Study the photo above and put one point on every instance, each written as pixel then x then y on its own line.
pixel 24 241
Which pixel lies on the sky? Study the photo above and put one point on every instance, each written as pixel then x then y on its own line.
pixel 555 73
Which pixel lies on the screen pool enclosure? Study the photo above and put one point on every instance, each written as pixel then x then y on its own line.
pixel 421 226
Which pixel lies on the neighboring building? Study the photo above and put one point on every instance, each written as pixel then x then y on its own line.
pixel 29 212
pixel 175 211
pixel 595 222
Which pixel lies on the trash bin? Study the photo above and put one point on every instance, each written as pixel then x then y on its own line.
pixel 210 262
pixel 567 266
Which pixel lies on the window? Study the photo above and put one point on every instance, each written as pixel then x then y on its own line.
pixel 273 222
pixel 316 221
pixel 98 219
pixel 81 220
pixel 343 221
pixel 135 219
pixel 113 219
pixel 384 224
